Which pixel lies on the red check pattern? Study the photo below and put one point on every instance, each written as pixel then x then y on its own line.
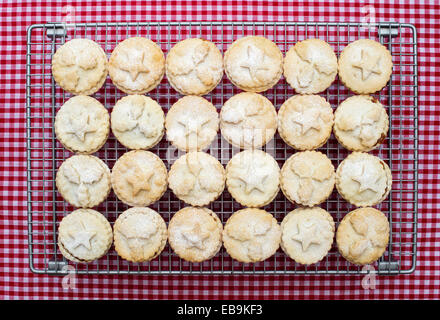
pixel 16 280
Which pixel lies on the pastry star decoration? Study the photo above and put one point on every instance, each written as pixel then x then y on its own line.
pixel 78 127
pixel 368 64
pixel 254 177
pixel 255 63
pixel 192 124
pixel 87 60
pixel 367 178
pixel 82 237
pixel 139 179
pixel 135 64
pixel 307 234
pixel 307 119
pixel 196 237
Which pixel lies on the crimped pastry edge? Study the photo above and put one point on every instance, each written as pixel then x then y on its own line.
pixel 55 69
pixel 106 226
pixel 130 146
pixel 338 238
pixel 307 90
pixel 117 190
pixel 364 203
pixel 157 81
pixel 200 147
pixel 379 141
pixel 178 88
pixel 59 184
pixel 161 227
pixel 255 89
pixel 380 84
pixel 89 151
pixel 288 195
pixel 283 110
pixel 242 146
pixel 199 204
pixel 216 219
pixel 251 204
pixel 325 215
pixel 249 260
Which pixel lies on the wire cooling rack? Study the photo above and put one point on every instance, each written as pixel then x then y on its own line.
pixel 45 154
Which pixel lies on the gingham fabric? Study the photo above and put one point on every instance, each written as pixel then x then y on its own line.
pixel 16 280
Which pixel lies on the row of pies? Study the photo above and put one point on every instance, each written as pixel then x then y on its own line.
pixel 252 177
pixel 247 120
pixel 195 66
pixel 249 235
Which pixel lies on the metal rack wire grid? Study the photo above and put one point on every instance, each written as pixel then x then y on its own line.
pixel 45 154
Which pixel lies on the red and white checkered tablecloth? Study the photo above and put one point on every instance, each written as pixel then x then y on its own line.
pixel 16 280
